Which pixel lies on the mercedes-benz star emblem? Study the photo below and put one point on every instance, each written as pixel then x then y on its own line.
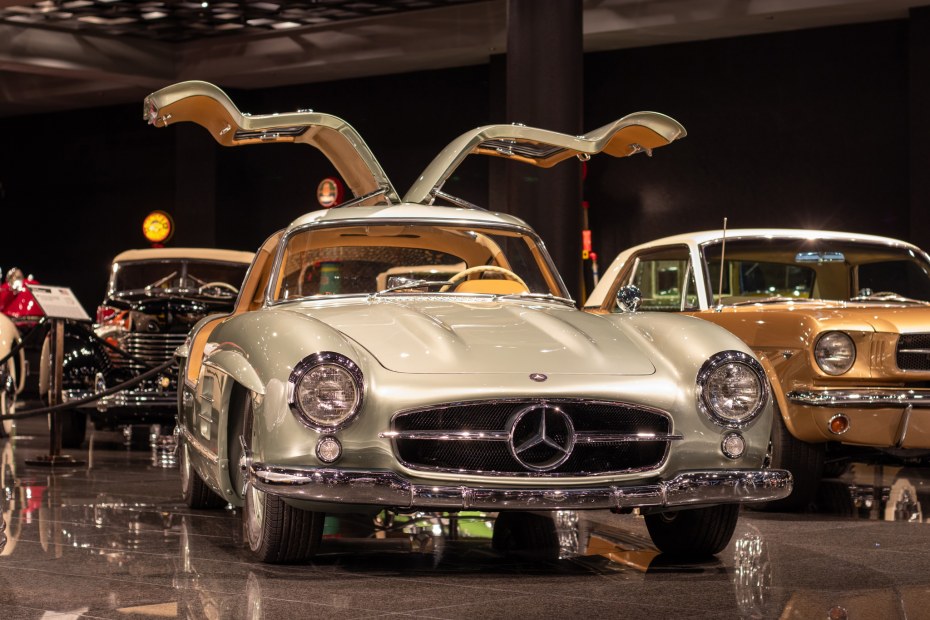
pixel 541 437
pixel 538 377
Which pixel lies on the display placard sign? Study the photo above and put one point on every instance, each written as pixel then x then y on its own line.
pixel 58 302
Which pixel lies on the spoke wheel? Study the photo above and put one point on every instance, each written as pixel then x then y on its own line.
pixel 196 493
pixel 696 532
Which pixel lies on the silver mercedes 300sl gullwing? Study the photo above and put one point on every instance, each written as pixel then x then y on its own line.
pixel 396 354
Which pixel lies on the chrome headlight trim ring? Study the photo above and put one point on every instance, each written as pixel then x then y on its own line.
pixel 826 340
pixel 307 365
pixel 712 364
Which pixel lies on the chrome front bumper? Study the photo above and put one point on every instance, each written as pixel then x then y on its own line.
pixel 866 398
pixel 123 399
pixel 392 490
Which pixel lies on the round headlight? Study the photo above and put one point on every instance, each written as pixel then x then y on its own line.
pixel 835 353
pixel 325 390
pixel 732 388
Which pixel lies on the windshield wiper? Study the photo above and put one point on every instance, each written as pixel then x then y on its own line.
pixel 544 296
pixel 413 284
pixel 775 299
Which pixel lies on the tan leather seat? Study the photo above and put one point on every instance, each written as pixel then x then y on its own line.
pixel 491 287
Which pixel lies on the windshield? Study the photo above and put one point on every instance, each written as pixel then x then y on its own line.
pixel 415 258
pixel 163 276
pixel 815 269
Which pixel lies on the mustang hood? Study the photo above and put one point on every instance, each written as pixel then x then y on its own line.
pixel 485 337
pixel 865 316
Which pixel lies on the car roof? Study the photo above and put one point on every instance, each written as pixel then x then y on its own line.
pixel 230 256
pixel 412 213
pixel 700 237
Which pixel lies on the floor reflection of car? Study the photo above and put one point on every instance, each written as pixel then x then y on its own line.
pixel 840 321
pixel 324 391
pixel 154 296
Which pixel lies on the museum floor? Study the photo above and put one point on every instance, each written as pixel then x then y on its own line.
pixel 112 539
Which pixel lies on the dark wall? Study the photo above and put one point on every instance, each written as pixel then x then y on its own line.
pixel 802 129
pixel 806 128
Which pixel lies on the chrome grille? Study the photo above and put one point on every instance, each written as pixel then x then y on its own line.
pixel 913 352
pixel 148 349
pixel 480 438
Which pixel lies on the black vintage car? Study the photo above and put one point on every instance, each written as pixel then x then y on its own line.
pixel 153 299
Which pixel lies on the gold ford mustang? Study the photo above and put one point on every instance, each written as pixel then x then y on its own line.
pixel 395 353
pixel 839 320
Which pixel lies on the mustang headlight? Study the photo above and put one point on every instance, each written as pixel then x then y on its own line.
pixel 732 388
pixel 835 353
pixel 325 390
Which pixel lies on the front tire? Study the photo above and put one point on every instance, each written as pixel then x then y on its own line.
pixel 695 532
pixel 804 461
pixel 278 533
pixel 195 491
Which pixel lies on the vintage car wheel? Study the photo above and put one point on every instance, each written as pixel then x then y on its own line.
pixel 696 532
pixel 804 461
pixel 73 425
pixel 196 493
pixel 525 534
pixel 278 533
pixel 7 397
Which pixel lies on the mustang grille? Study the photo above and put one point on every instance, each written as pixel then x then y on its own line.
pixel 913 352
pixel 153 349
pixel 533 438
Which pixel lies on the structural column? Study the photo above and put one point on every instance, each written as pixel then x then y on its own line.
pixel 544 89
pixel 919 111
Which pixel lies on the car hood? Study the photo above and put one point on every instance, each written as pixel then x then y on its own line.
pixel 441 336
pixel 864 316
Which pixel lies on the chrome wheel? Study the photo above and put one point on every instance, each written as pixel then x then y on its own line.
pixel 185 467
pixel 254 517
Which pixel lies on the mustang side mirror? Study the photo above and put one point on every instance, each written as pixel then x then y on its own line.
pixel 629 297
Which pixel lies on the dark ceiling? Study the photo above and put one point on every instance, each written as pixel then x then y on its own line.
pixel 177 22
pixel 70 54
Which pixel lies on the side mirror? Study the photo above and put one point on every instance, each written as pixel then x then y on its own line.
pixel 629 297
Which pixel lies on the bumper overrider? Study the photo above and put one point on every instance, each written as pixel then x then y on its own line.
pixel 381 488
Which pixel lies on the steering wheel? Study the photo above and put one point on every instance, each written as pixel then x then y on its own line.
pixel 462 275
pixel 219 285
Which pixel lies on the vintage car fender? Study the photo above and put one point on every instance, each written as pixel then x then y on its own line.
pixel 263 377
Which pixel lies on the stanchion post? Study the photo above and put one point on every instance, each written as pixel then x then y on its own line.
pixel 57 350
pixel 57 354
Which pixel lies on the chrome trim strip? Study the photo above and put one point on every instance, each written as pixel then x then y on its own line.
pixel 447 435
pixel 123 399
pixel 919 351
pixel 584 437
pixel 201 449
pixel 868 398
pixel 385 488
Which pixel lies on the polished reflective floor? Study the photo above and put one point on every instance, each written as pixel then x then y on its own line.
pixel 110 538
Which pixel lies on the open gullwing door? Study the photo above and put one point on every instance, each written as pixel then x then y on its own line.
pixel 208 106
pixel 640 132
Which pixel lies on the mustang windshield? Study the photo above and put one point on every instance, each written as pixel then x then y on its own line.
pixel 395 259
pixel 816 269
